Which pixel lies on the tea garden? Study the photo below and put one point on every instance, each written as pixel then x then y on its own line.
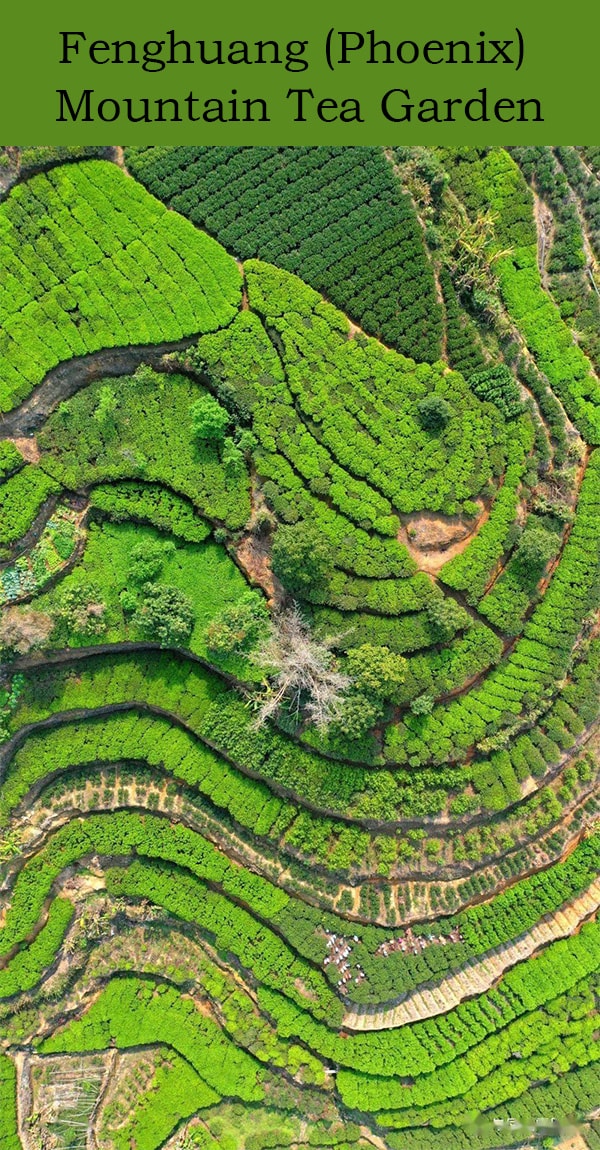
pixel 299 581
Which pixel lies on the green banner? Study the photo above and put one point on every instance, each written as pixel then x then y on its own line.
pixel 299 74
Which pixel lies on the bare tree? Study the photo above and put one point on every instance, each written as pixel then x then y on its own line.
pixel 301 671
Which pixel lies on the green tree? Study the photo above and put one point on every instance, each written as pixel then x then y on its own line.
pixel 239 627
pixel 375 674
pixel 232 458
pixel 79 610
pixel 146 559
pixel 536 546
pixel 128 600
pixel 447 616
pixel 166 614
pixel 375 671
pixel 357 716
pixel 301 558
pixel 434 412
pixel 209 419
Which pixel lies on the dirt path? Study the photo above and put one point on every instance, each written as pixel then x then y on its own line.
pixel 252 554
pixel 544 222
pixel 24 1101
pixel 118 157
pixel 481 974
pixel 28 448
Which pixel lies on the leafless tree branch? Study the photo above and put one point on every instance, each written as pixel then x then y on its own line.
pixel 301 672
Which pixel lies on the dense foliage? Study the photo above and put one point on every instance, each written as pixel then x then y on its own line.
pixel 300 672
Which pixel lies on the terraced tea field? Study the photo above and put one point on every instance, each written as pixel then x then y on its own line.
pixel 299 587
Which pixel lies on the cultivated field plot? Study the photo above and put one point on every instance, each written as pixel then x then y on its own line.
pixel 299 648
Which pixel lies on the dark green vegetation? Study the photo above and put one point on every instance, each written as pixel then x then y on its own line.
pixel 300 664
pixel 348 229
